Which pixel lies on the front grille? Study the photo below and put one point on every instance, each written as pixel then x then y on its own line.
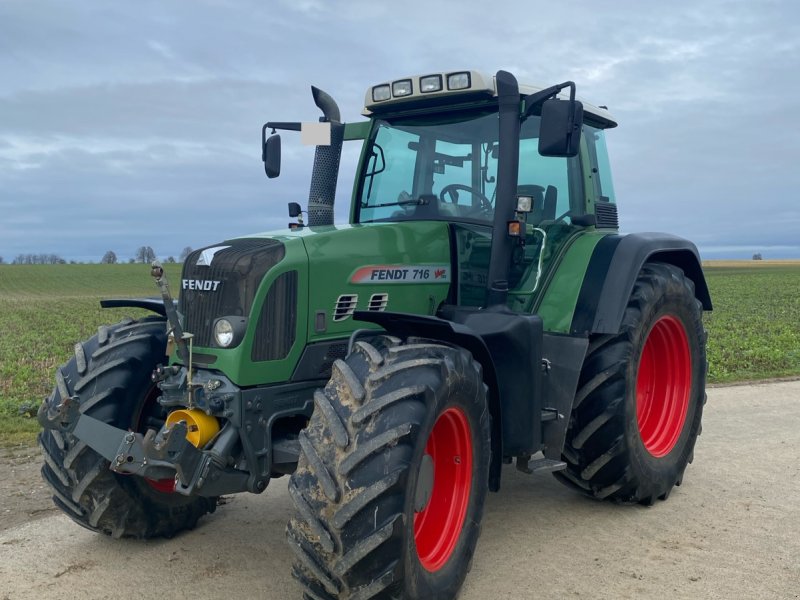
pixel 224 283
pixel 276 325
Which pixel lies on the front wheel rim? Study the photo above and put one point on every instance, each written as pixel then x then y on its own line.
pixel 663 386
pixel 438 526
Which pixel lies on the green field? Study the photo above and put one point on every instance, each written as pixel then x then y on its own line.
pixel 44 310
pixel 754 331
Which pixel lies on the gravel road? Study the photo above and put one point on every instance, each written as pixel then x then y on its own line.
pixel 732 530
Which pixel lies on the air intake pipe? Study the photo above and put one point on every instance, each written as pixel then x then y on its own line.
pixel 508 100
pixel 326 163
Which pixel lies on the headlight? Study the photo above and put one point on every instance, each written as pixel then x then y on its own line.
pixel 229 331
pixel 223 332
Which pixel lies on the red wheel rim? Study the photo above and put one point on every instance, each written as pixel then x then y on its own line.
pixel 165 486
pixel 663 386
pixel 438 525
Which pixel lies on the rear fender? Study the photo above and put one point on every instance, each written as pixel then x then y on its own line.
pixel 612 272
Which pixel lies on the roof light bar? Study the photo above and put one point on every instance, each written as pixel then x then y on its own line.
pixel 384 95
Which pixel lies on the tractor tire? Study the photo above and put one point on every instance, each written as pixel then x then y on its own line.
pixel 637 412
pixel 110 373
pixel 390 487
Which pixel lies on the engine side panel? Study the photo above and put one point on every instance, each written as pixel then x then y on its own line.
pixel 400 267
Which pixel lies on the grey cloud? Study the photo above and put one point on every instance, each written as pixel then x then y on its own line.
pixel 111 112
pixel 208 110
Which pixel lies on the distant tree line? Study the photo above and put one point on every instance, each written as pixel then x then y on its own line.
pixel 38 259
pixel 144 254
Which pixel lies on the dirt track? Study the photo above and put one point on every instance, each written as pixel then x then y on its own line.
pixel 731 531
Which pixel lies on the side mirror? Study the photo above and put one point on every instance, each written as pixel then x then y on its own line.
pixel 294 209
pixel 271 155
pixel 560 129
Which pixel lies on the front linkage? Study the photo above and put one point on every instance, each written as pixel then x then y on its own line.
pixel 158 455
pixel 190 447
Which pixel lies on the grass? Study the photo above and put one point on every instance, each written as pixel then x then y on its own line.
pixel 44 310
pixel 754 331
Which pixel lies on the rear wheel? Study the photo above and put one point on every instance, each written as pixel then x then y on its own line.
pixel 111 375
pixel 640 397
pixel 393 474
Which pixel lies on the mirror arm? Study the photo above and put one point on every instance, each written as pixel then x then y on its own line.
pixel 286 126
pixel 537 98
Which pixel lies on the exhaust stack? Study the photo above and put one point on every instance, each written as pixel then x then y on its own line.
pixel 322 193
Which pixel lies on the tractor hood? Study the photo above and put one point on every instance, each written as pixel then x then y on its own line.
pixel 290 289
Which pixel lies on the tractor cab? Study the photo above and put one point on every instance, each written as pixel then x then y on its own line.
pixel 434 149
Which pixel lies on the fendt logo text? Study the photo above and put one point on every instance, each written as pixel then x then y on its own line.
pixel 203 285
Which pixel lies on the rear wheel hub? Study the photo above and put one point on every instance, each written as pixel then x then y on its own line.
pixel 443 489
pixel 663 386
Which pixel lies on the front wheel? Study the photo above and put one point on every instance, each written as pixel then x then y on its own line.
pixel 392 479
pixel 640 397
pixel 111 374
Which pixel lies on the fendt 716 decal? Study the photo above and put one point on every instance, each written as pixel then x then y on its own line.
pixel 401 274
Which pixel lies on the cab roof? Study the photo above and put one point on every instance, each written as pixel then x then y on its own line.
pixel 454 87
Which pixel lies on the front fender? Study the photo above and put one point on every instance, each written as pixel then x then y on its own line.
pixel 155 305
pixel 509 348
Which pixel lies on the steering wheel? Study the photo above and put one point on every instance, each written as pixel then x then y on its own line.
pixel 452 190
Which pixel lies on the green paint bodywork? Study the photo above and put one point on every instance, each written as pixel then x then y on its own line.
pixel 558 302
pixel 325 258
pixel 335 253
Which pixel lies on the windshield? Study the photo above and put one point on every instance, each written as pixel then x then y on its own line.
pixel 445 168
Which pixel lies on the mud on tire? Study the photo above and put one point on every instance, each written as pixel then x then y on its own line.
pixel 359 494
pixel 111 375
pixel 641 392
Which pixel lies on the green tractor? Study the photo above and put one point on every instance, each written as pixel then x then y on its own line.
pixel 479 309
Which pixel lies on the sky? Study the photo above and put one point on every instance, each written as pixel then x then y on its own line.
pixel 127 123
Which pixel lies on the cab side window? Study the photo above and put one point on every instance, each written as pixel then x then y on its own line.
pixel 601 167
pixel 554 182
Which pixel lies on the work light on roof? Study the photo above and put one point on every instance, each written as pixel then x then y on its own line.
pixel 430 83
pixel 381 92
pixel 458 81
pixel 402 88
